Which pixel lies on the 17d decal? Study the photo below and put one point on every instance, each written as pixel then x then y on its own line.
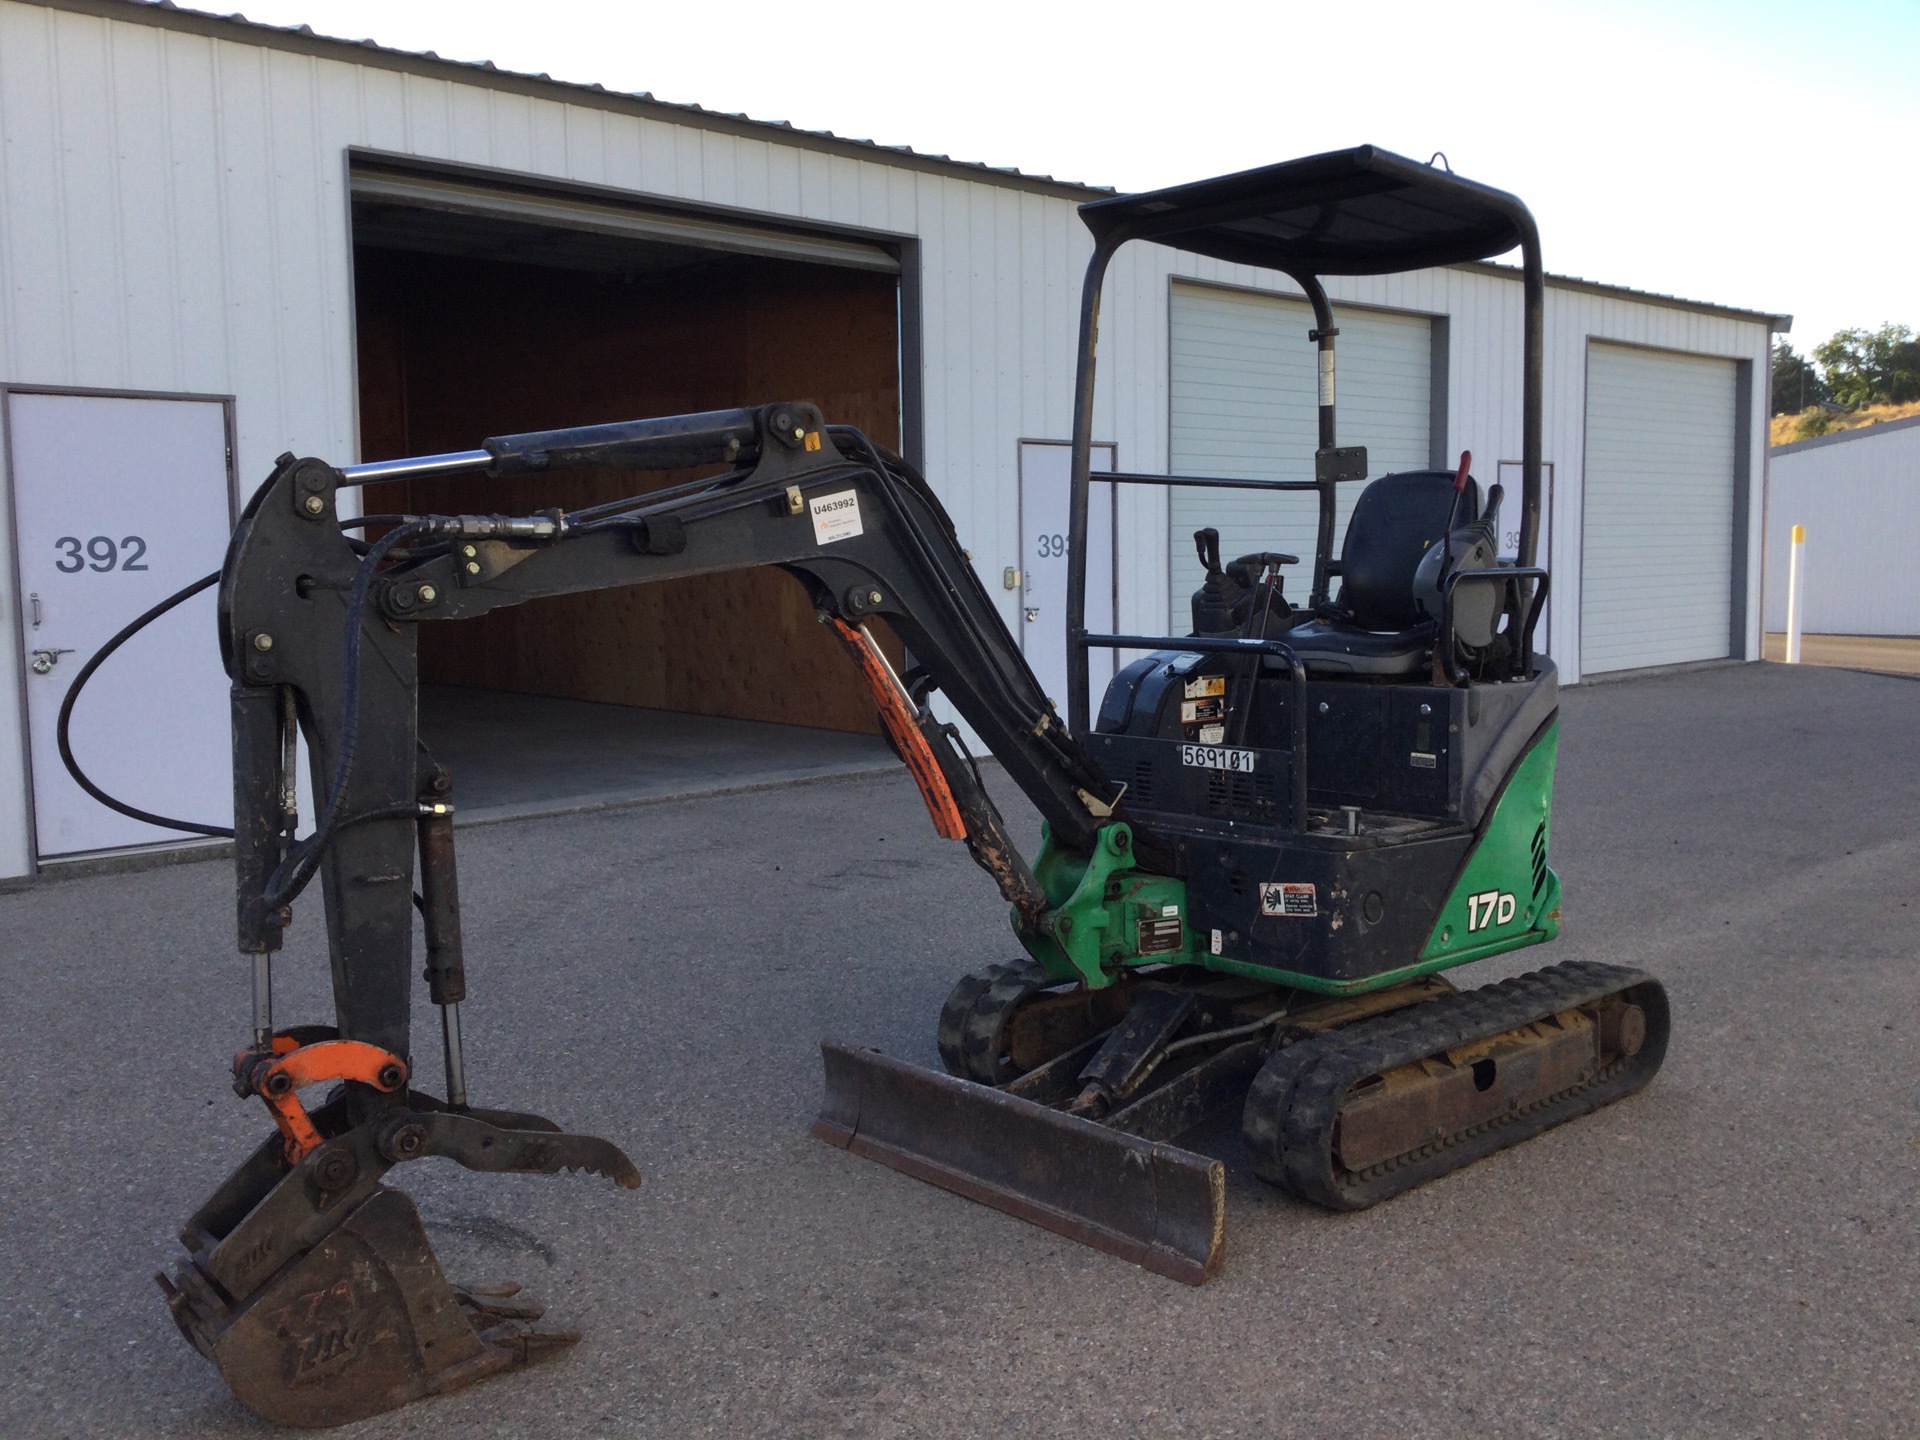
pixel 1489 907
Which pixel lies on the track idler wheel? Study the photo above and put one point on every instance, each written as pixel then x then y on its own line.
pixel 1354 1116
pixel 1001 1022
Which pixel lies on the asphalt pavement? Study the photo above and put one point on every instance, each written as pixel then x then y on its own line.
pixel 1732 1252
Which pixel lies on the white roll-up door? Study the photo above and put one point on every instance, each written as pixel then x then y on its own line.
pixel 1656 571
pixel 1245 406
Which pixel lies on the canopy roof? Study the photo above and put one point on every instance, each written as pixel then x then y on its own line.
pixel 1364 211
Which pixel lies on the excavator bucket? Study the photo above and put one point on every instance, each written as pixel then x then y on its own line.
pixel 314 1290
pixel 1155 1204
pixel 362 1323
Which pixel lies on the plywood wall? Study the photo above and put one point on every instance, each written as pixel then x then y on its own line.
pixel 452 351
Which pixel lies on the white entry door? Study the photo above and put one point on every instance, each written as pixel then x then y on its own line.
pixel 1046 473
pixel 119 502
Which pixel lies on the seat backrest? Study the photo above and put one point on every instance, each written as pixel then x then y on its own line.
pixel 1395 520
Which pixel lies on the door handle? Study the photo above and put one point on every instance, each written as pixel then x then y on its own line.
pixel 45 660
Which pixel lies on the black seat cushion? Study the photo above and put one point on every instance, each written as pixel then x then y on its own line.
pixel 1396 519
pixel 1332 648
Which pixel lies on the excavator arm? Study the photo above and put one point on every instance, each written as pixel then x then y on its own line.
pixel 303 1255
pixel 307 611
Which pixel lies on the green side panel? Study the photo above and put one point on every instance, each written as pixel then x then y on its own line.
pixel 1507 895
pixel 1107 915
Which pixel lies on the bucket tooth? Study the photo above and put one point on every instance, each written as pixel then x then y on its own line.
pixel 1155 1204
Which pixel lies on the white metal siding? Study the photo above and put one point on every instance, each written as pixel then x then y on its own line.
pixel 1657 559
pixel 1859 497
pixel 173 217
pixel 1244 405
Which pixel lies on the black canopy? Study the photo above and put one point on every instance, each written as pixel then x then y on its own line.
pixel 1364 211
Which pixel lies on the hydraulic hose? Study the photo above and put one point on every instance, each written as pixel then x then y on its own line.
pixel 62 725
pixel 291 877
pixel 303 858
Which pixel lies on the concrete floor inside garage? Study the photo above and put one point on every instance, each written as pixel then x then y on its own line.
pixel 1729 1253
pixel 517 755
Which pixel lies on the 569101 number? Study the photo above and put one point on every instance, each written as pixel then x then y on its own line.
pixel 99 553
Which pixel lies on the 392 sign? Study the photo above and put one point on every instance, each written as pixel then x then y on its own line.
pixel 99 553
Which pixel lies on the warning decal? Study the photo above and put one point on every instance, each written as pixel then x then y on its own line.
pixel 1288 898
pixel 835 516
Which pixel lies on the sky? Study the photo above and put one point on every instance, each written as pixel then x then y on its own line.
pixel 1746 152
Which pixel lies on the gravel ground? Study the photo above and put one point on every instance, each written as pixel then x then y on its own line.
pixel 1729 1253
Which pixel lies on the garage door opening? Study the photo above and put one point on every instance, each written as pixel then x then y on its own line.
pixel 472 325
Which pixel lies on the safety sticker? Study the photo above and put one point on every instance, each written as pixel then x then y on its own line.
pixel 1192 712
pixel 1205 686
pixel 1289 898
pixel 1213 734
pixel 835 516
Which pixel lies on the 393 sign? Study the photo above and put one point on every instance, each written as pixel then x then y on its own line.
pixel 1051 546
pixel 100 553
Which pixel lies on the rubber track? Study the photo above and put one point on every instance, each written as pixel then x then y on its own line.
pixel 1295 1100
pixel 976 1014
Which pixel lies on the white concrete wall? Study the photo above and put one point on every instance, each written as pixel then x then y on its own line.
pixel 174 217
pixel 1858 494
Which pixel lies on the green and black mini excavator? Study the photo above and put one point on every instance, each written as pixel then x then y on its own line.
pixel 1260 854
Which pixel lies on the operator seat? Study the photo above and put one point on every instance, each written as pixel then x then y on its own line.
pixel 1374 627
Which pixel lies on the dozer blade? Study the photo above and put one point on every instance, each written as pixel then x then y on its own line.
pixel 1155 1204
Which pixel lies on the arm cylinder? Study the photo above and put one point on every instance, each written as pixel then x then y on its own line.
pixel 673 442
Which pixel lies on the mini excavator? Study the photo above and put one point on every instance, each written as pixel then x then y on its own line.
pixel 1259 857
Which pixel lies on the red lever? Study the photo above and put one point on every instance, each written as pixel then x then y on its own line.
pixel 1460 480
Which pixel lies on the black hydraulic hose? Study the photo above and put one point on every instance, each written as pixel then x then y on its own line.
pixel 290 877
pixel 132 628
pixel 62 725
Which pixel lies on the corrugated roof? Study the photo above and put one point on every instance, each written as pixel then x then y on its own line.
pixel 1859 432
pixel 1778 324
pixel 303 39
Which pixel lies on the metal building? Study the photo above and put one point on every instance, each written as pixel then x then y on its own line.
pixel 1858 495
pixel 220 241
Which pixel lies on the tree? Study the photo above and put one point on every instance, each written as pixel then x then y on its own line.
pixel 1877 367
pixel 1796 384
